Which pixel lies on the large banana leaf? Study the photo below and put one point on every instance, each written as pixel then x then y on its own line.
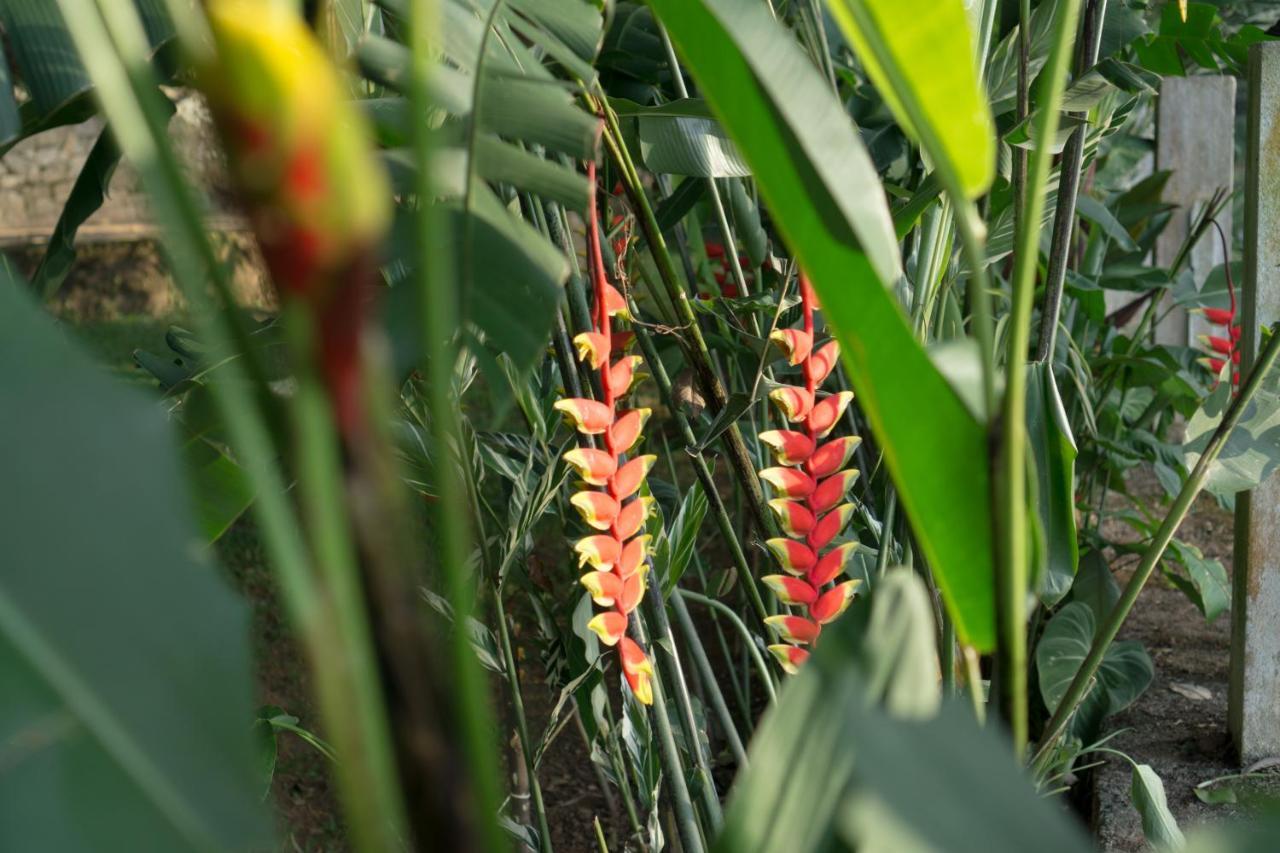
pixel 825 197
pixel 127 703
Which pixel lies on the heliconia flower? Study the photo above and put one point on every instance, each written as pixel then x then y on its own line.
pixel 1219 316
pixel 811 482
pixel 626 429
pixel 618 554
pixel 832 490
pixel 795 344
pixel 633 516
pixel 789 447
pixel 824 361
pixel 831 564
pixel 610 626
pixel 829 526
pixel 794 629
pixel 789 657
pixel 598 509
pixel 588 416
pixel 833 602
pixel 595 467
pixel 793 516
pixel 592 347
pixel 788 482
pixel 1217 344
pixel 832 456
pixel 605 587
pixel 794 557
pixel 794 403
pixel 790 590
pixel 637 669
pixel 827 412
pixel 601 552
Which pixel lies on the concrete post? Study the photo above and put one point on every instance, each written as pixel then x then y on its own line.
pixel 1195 138
pixel 1253 711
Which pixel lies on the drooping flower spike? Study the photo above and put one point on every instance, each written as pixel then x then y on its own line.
pixel 810 483
pixel 1223 348
pixel 614 555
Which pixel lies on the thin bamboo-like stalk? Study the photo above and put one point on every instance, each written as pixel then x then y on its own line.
pixel 714 694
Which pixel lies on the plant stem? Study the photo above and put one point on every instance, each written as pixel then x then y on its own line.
pixel 1064 217
pixel 1110 627
pixel 1010 481
pixel 748 641
pixel 716 697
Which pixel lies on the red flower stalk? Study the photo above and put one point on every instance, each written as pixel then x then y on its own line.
pixel 1223 350
pixel 617 554
pixel 810 482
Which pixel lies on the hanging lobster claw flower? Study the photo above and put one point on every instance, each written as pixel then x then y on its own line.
pixel 788 482
pixel 592 348
pixel 596 508
pixel 794 343
pixel 790 658
pixel 794 591
pixel 831 564
pixel 793 556
pixel 631 559
pixel 1220 345
pixel 614 303
pixel 633 516
pixel 632 592
pixel 587 416
pixel 832 490
pixel 789 447
pixel 793 516
pixel 622 374
pixel 1218 316
pixel 622 342
pixel 610 626
pixel 794 629
pixel 824 361
pixel 601 552
pixel 631 475
pixel 829 526
pixel 627 428
pixel 794 403
pixel 637 669
pixel 827 413
pixel 833 602
pixel 605 587
pixel 833 455
pixel 595 467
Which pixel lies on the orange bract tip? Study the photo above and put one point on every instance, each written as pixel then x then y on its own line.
pixel 631 559
pixel 627 428
pixel 588 416
pixel 788 482
pixel 592 348
pixel 794 343
pixel 829 526
pixel 791 590
pixel 789 657
pixel 794 403
pixel 605 587
pixel 824 361
pixel 833 602
pixel 633 516
pixel 832 490
pixel 600 552
pixel 827 413
pixel 631 475
pixel 794 557
pixel 832 456
pixel 793 516
pixel 831 564
pixel 637 669
pixel 623 373
pixel 594 466
pixel 596 508
pixel 789 447
pixel 794 629
pixel 610 626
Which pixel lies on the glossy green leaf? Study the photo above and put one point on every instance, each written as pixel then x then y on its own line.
pixel 825 198
pixel 125 660
pixel 1159 826
pixel 919 54
pixel 1054 449
pixel 1252 451
pixel 1206 584
pixel 1126 670
pixel 675 548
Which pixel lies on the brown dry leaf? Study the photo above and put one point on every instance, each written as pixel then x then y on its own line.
pixel 1194 692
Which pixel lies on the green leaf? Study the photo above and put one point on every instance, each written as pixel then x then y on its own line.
pixel 1252 451
pixel 675 550
pixel 1097 213
pixel 220 488
pixel 736 406
pixel 125 660
pixel 689 146
pixel 920 56
pixel 10 119
pixel 825 198
pixel 1126 669
pixel 1095 586
pixel 1209 588
pixel 1054 449
pixel 1158 824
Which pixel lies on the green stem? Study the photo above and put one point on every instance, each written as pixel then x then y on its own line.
pixel 1110 627
pixel 748 641
pixel 1011 473
pixel 694 643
